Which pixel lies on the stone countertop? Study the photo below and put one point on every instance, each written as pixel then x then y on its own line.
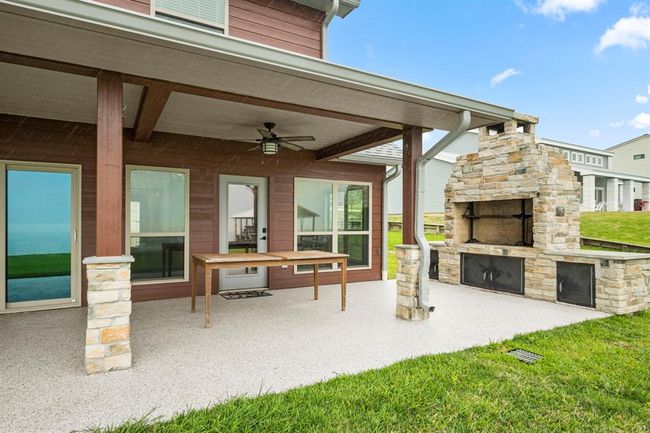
pixel 595 254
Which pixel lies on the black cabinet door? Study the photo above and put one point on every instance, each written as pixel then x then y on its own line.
pixel 576 284
pixel 507 274
pixel 475 270
pixel 433 267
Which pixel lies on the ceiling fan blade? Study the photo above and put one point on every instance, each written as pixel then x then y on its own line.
pixel 299 138
pixel 291 146
pixel 253 148
pixel 265 133
pixel 252 140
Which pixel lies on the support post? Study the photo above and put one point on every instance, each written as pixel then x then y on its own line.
pixel 588 193
pixel 612 194
pixel 110 199
pixel 412 150
pixel 628 195
pixel 645 195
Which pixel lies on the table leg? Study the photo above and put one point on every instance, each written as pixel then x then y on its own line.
pixel 344 280
pixel 208 296
pixel 193 285
pixel 315 282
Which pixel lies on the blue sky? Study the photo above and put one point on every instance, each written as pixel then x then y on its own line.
pixel 582 66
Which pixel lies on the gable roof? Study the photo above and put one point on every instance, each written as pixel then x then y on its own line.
pixel 640 137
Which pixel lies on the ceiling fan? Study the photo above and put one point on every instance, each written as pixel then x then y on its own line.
pixel 271 142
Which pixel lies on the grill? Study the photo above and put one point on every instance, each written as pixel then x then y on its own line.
pixel 525 356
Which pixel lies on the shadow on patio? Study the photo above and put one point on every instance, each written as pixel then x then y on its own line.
pixel 265 344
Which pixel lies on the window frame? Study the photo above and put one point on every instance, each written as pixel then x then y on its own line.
pixel 640 156
pixel 185 234
pixel 335 233
pixel 578 157
pixel 193 22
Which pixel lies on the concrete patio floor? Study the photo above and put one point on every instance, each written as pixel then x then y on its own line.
pixel 266 344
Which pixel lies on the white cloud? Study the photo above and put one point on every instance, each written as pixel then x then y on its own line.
pixel 559 9
pixel 595 132
pixel 639 9
pixel 641 99
pixel 631 32
pixel 641 121
pixel 502 76
pixel 616 124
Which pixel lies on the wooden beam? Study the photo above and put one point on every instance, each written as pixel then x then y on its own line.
pixel 198 91
pixel 412 150
pixel 153 103
pixel 110 201
pixel 358 143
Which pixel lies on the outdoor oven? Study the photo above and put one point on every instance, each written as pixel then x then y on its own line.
pixel 512 224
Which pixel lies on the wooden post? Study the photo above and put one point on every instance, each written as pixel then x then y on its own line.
pixel 208 298
pixel 193 284
pixel 316 282
pixel 110 200
pixel 344 280
pixel 412 143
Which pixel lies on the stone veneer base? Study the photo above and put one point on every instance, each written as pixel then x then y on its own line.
pixel 408 301
pixel 108 345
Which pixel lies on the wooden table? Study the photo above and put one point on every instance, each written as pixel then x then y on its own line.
pixel 210 262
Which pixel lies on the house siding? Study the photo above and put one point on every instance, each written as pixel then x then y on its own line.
pixel 40 140
pixel 141 6
pixel 624 162
pixel 279 23
pixel 437 175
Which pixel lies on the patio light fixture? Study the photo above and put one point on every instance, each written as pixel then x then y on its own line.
pixel 269 147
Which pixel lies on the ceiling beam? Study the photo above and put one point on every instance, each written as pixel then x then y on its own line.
pixel 198 91
pixel 360 142
pixel 152 105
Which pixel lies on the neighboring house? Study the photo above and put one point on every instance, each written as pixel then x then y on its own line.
pixel 604 188
pixel 633 156
pixel 129 128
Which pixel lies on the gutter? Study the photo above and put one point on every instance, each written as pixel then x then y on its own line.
pixel 425 250
pixel 390 175
pixel 331 12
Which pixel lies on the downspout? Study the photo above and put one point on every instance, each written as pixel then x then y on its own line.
pixel 329 15
pixel 390 175
pixel 425 249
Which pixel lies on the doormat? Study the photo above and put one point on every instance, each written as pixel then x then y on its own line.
pixel 245 294
pixel 525 356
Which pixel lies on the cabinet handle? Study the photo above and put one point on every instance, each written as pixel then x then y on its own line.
pixel 560 286
pixel 491 276
pixel 485 275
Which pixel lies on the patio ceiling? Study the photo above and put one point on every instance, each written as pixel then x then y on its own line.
pixel 146 49
pixel 56 95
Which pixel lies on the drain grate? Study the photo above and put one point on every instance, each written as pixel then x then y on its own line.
pixel 525 356
pixel 245 294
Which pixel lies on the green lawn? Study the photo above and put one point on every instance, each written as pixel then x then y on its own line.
pixel 38 265
pixel 630 227
pixel 593 378
pixel 395 238
pixel 429 218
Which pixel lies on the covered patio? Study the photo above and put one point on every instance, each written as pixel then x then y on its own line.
pixel 257 345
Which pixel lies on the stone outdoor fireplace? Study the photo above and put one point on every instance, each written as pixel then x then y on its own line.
pixel 512 224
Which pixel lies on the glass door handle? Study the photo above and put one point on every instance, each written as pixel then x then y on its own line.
pixel 74 236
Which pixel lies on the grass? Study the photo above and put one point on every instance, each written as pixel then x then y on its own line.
pixel 38 265
pixel 395 238
pixel 429 218
pixel 593 378
pixel 628 227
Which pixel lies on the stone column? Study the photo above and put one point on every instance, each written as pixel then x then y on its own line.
pixel 628 195
pixel 588 193
pixel 108 333
pixel 612 194
pixel 645 195
pixel 408 301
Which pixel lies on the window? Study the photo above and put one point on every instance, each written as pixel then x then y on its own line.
pixel 599 161
pixel 639 156
pixel 209 14
pixel 334 216
pixel 589 159
pixel 157 232
pixel 577 157
pixel 566 153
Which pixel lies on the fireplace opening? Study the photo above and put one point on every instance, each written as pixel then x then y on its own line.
pixel 496 222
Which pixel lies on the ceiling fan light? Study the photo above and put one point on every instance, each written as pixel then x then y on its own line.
pixel 269 148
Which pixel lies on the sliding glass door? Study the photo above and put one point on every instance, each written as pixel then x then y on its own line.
pixel 41 258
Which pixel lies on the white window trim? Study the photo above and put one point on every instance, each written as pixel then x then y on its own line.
pixel 226 17
pixel 335 231
pixel 186 234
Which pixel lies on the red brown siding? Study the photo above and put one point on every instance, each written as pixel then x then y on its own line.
pixel 142 6
pixel 279 23
pixel 39 140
